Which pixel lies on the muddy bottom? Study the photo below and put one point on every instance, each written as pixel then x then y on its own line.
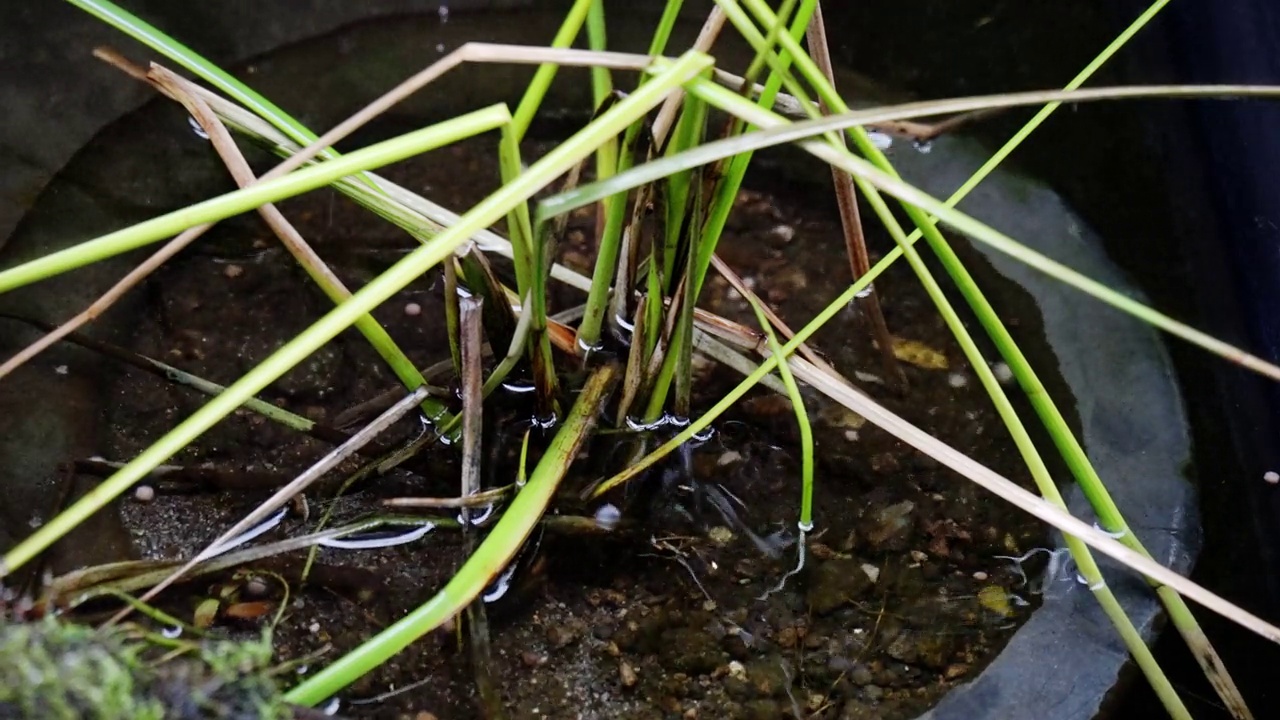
pixel 692 612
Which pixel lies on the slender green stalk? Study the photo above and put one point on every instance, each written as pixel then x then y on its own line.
pixel 315 267
pixel 995 327
pixel 615 209
pixel 488 211
pixel 731 182
pixel 239 201
pixel 601 86
pixel 537 88
pixel 802 417
pixel 495 553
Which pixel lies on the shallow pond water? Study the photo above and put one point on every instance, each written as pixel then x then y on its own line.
pixel 887 616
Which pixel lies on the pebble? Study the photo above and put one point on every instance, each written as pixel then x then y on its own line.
pixel 627 675
pixel 980 576
pixel 1271 477
pixel 412 309
pixel 957 380
pixel 1003 373
pixel 144 493
pixel 233 271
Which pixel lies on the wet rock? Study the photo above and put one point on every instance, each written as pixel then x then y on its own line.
pixel 889 528
pixel 861 675
pixel 933 650
pixel 627 675
pixel 834 583
pixel 769 676
pixel 562 635
pixel 690 651
pixel 762 710
pixel 857 710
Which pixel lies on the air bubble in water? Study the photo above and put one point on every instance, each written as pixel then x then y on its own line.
pixel 545 423
pixel 500 586
pixel 331 708
pixel 607 516
pixel 482 514
pixel 197 128
pixel 444 13
pixel 172 632
pixel 882 141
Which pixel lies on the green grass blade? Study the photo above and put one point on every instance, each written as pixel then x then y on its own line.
pixel 537 88
pixel 239 201
pixel 152 37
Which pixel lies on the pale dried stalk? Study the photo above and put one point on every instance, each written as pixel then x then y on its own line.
pixel 850 219
pixel 706 38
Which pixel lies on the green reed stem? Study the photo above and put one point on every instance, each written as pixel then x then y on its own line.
pixel 536 91
pixel 240 201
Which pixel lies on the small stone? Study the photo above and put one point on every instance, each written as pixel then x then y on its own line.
pixel 560 636
pixel 957 670
pixel 1002 372
pixel 691 714
pixel 737 670
pixel 720 535
pixel 1271 477
pixel 144 493
pixel 532 659
pixel 783 233
pixel 627 675
pixel 412 309
pixel 874 693
pixel 872 571
pixel 424 715
pixel 957 380
pixel 888 528
pixel 834 583
pixel 861 675
pixel 787 637
pixel 232 271
pixel 980 576
pixel 918 556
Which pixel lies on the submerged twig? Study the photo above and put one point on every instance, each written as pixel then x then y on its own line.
pixel 169 373
pixel 469 310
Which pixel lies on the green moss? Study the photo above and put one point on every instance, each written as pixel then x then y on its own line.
pixel 57 670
